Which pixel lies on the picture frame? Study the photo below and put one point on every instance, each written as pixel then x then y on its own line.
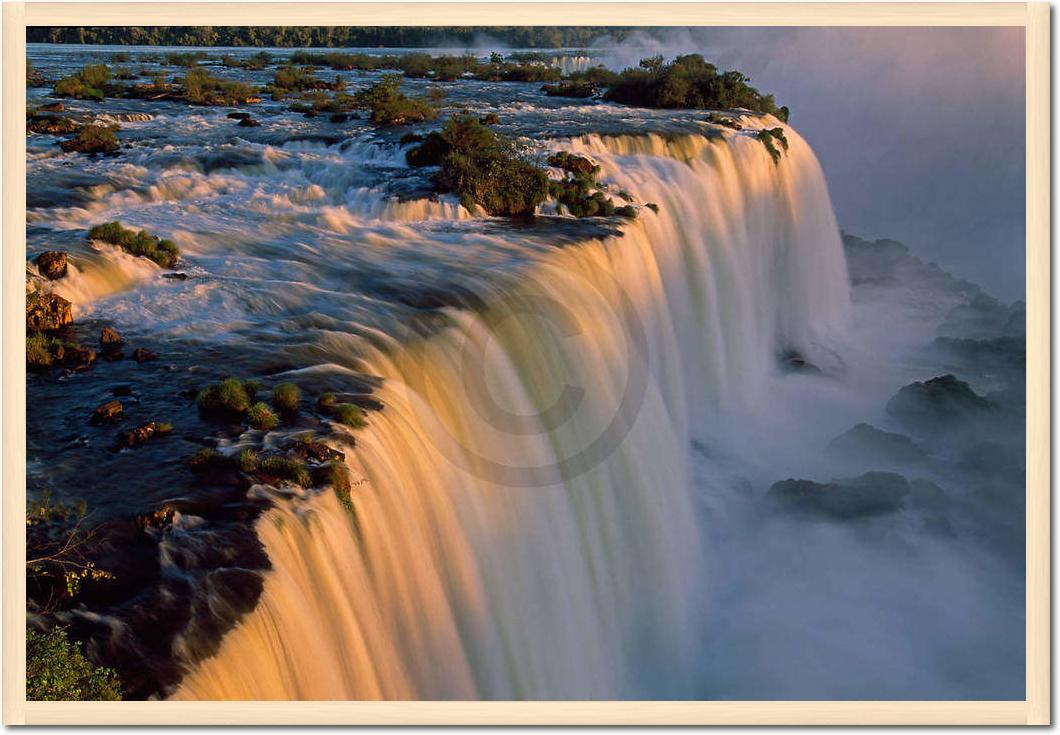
pixel 1034 710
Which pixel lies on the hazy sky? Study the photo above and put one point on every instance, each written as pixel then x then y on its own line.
pixel 920 131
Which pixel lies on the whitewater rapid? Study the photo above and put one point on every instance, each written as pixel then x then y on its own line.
pixel 523 520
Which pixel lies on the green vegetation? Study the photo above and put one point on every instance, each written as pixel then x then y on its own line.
pixel 177 58
pixel 40 350
pixel 689 83
pixel 390 107
pixel 142 243
pixel 769 138
pixel 296 79
pixel 573 163
pixel 349 415
pixel 205 459
pixel 325 36
pixel 579 90
pixel 256 62
pixel 286 397
pixel 57 670
pixel 248 461
pixel 93 139
pixel 482 167
pixel 228 399
pixel 285 469
pixel 201 88
pixel 326 402
pixel 88 84
pixel 261 417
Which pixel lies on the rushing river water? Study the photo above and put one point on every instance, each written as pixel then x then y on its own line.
pixel 563 494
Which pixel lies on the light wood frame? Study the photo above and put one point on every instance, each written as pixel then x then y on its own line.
pixel 1035 710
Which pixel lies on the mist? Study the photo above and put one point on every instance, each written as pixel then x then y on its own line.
pixel 920 130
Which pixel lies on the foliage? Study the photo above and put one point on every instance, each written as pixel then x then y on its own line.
pixel 349 415
pixel 286 396
pixel 40 350
pixel 483 167
pixel 57 670
pixel 770 136
pixel 202 88
pixel 688 82
pixel 248 460
pixel 142 243
pixel 285 469
pixel 87 84
pixel 57 562
pixel 228 399
pixel 579 90
pixel 326 402
pixel 390 107
pixel 260 416
pixel 189 59
pixel 93 139
pixel 296 79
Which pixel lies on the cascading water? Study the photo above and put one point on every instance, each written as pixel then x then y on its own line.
pixel 523 522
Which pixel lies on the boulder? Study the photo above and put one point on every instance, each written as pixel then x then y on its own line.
pixel 176 276
pixel 870 494
pixel 52 107
pixel 76 357
pixel 867 443
pixel 314 451
pixel 141 354
pixel 238 116
pixel 110 412
pixel 159 518
pixel 340 117
pixel 52 264
pixel 938 403
pixel 248 122
pixel 141 435
pixel 109 338
pixel 46 312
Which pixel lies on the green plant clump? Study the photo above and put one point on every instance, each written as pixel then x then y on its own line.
pixel 286 397
pixel 248 460
pixel 389 106
pixel 349 415
pixel 202 88
pixel 93 139
pixel 770 136
pixel 57 670
pixel 88 84
pixel 142 243
pixel 286 469
pixel 228 399
pixel 479 165
pixel 260 416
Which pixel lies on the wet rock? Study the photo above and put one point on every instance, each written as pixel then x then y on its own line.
pixel 52 107
pixel 792 361
pixel 52 264
pixel 110 412
pixel 238 116
pixel 939 402
pixel 314 451
pixel 871 494
pixel 159 518
pixel 867 443
pixel 46 312
pixel 339 117
pixel 176 276
pixel 142 354
pixel 52 125
pixel 248 122
pixel 109 338
pixel 78 358
pixel 490 118
pixel 141 435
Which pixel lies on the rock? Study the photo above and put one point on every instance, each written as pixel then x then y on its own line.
pixel 939 402
pixel 315 451
pixel 871 494
pixel 490 118
pixel 141 354
pixel 52 107
pixel 110 412
pixel 792 361
pixel 867 443
pixel 340 117
pixel 76 357
pixel 121 390
pixel 109 338
pixel 52 264
pixel 176 276
pixel 159 518
pixel 52 125
pixel 248 122
pixel 141 435
pixel 46 312
pixel 238 116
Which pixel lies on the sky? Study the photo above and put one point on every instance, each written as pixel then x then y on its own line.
pixel 920 131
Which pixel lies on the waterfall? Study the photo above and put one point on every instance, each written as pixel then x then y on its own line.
pixel 523 520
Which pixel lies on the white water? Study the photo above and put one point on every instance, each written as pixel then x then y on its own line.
pixel 524 520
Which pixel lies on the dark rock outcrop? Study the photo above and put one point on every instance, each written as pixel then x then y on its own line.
pixel 867 443
pixel 141 435
pixel 940 402
pixel 142 354
pixel 46 312
pixel 110 412
pixel 871 494
pixel 109 338
pixel 248 122
pixel 52 264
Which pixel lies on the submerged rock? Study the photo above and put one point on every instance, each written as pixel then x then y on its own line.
pixel 176 276
pixel 141 435
pixel 46 312
pixel 870 494
pixel 248 122
pixel 110 412
pixel 142 354
pixel 238 116
pixel 866 442
pixel 52 264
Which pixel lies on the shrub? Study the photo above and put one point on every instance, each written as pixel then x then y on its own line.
pixel 204 459
pixel 326 402
pixel 286 469
pixel 177 58
pixel 248 461
pixel 260 416
pixel 95 75
pixel 92 139
pixel 40 350
pixel 768 136
pixel 142 243
pixel 56 670
pixel 296 79
pixel 390 107
pixel 230 398
pixel 688 82
pixel 286 396
pixel 349 415
pixel 481 166
pixel 579 90
pixel 202 88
